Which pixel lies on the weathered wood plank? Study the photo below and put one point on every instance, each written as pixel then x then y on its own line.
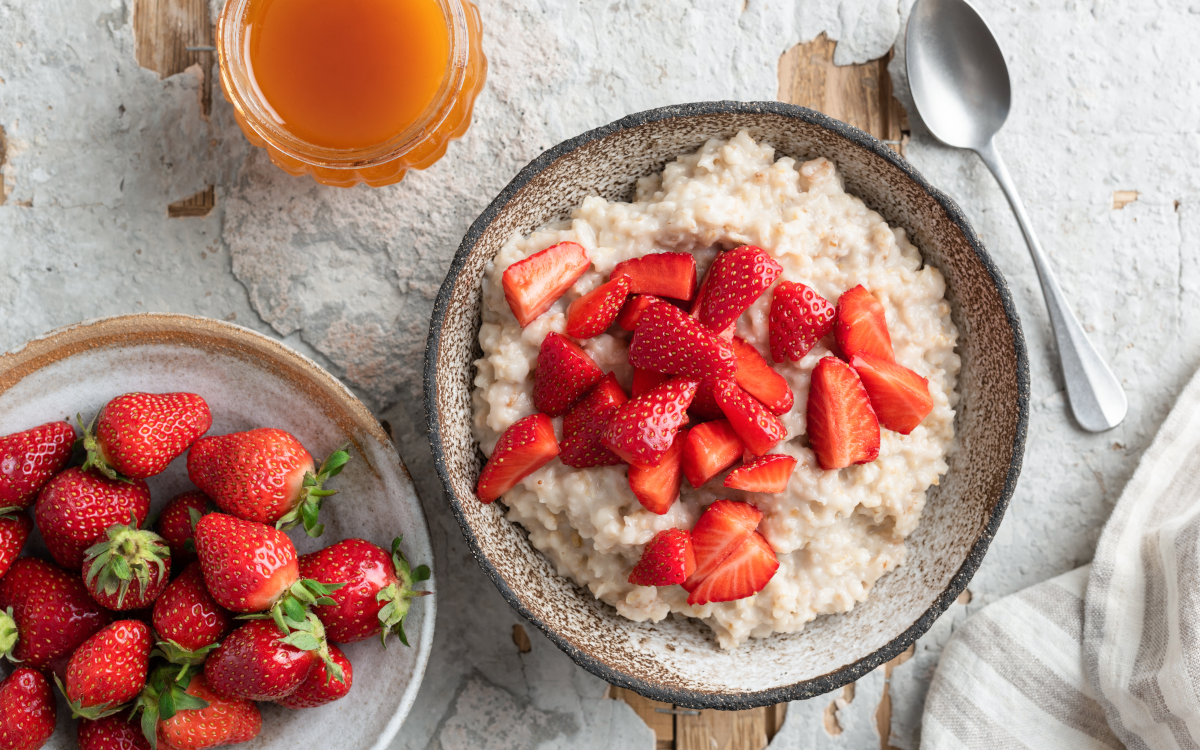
pixel 164 29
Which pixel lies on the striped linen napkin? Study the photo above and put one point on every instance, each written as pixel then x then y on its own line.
pixel 1106 656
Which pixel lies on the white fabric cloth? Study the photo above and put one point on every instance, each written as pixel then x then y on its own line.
pixel 1106 656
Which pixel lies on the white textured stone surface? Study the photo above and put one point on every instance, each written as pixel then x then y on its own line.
pixel 1106 99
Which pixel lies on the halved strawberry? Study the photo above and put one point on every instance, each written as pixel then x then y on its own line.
pixel 533 284
pixel 736 279
pixel 584 425
pixel 595 311
pixel 526 446
pixel 799 319
pixel 666 559
pixel 758 428
pixel 564 373
pixel 662 274
pixel 756 376
pixel 721 529
pixel 861 326
pixel 657 487
pixel 631 313
pixel 642 430
pixel 647 380
pixel 711 448
pixel 745 572
pixel 899 396
pixel 698 302
pixel 704 406
pixel 842 426
pixel 669 341
pixel 768 473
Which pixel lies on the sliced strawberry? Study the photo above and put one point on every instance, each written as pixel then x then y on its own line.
pixel 721 529
pixel 662 274
pixel 711 448
pixel 595 311
pixel 642 430
pixel 745 572
pixel 842 426
pixel 564 373
pixel 861 326
pixel 758 428
pixel 669 341
pixel 657 487
pixel 694 308
pixel 704 406
pixel 756 376
pixel 526 446
pixel 799 319
pixel 736 279
pixel 647 380
pixel 666 559
pixel 584 425
pixel 899 396
pixel 533 284
pixel 765 474
pixel 631 313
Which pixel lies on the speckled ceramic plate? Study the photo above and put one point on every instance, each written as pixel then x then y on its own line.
pixel 249 381
pixel 678 660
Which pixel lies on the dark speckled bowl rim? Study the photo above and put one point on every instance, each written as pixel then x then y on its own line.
pixel 850 672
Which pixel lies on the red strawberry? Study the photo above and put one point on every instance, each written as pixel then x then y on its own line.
pixel 595 311
pixel 177 524
pixel 532 285
pixel 108 670
pixel 711 448
pixel 861 326
pixel 657 487
pixel 704 406
pixel 666 559
pixel 758 428
pixel 799 319
pixel 564 373
pixel 842 426
pixel 110 733
pixel 765 474
pixel 698 300
pixel 669 341
pixel 661 274
pixel 722 528
pixel 128 569
pixel 631 313
pixel 379 587
pixel 756 376
pixel 642 430
pixel 189 622
pixel 52 609
pixel 14 531
pixel 220 721
pixel 257 663
pixel 647 380
pixel 319 688
pixel 526 446
pixel 138 434
pixel 899 396
pixel 264 475
pixel 76 507
pixel 584 426
pixel 28 713
pixel 737 278
pixel 30 459
pixel 744 572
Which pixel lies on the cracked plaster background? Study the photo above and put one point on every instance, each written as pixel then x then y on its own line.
pixel 1105 99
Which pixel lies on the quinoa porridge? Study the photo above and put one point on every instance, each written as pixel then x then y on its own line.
pixel 834 532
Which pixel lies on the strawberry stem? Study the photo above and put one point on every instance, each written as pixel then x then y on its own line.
pixel 176 654
pixel 313 494
pixel 164 696
pixel 399 596
pixel 128 554
pixel 95 453
pixel 8 635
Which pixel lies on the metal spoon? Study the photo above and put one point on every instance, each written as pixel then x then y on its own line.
pixel 960 85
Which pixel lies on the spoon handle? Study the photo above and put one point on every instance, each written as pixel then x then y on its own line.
pixel 1096 396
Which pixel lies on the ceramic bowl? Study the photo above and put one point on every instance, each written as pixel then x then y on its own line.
pixel 677 660
pixel 249 381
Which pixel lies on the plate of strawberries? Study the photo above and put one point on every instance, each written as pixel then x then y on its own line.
pixel 205 540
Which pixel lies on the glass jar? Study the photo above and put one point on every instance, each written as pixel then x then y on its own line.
pixel 419 145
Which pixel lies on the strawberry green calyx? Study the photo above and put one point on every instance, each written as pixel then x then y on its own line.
pixel 310 636
pixel 291 611
pixel 399 596
pixel 313 494
pixel 91 713
pixel 95 454
pixel 8 634
pixel 163 696
pixel 128 554
pixel 9 512
pixel 176 654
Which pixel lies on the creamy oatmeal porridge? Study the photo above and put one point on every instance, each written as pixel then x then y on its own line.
pixel 834 532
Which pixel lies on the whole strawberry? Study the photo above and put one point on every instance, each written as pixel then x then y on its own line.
pixel 258 663
pixel 110 733
pixel 136 435
pixel 264 475
pixel 177 524
pixel 129 569
pixel 320 688
pixel 108 670
pixel 75 509
pixel 189 622
pixel 30 459
pixel 198 717
pixel 27 710
pixel 52 609
pixel 377 592
pixel 14 532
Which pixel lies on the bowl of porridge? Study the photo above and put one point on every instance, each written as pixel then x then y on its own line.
pixel 728 401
